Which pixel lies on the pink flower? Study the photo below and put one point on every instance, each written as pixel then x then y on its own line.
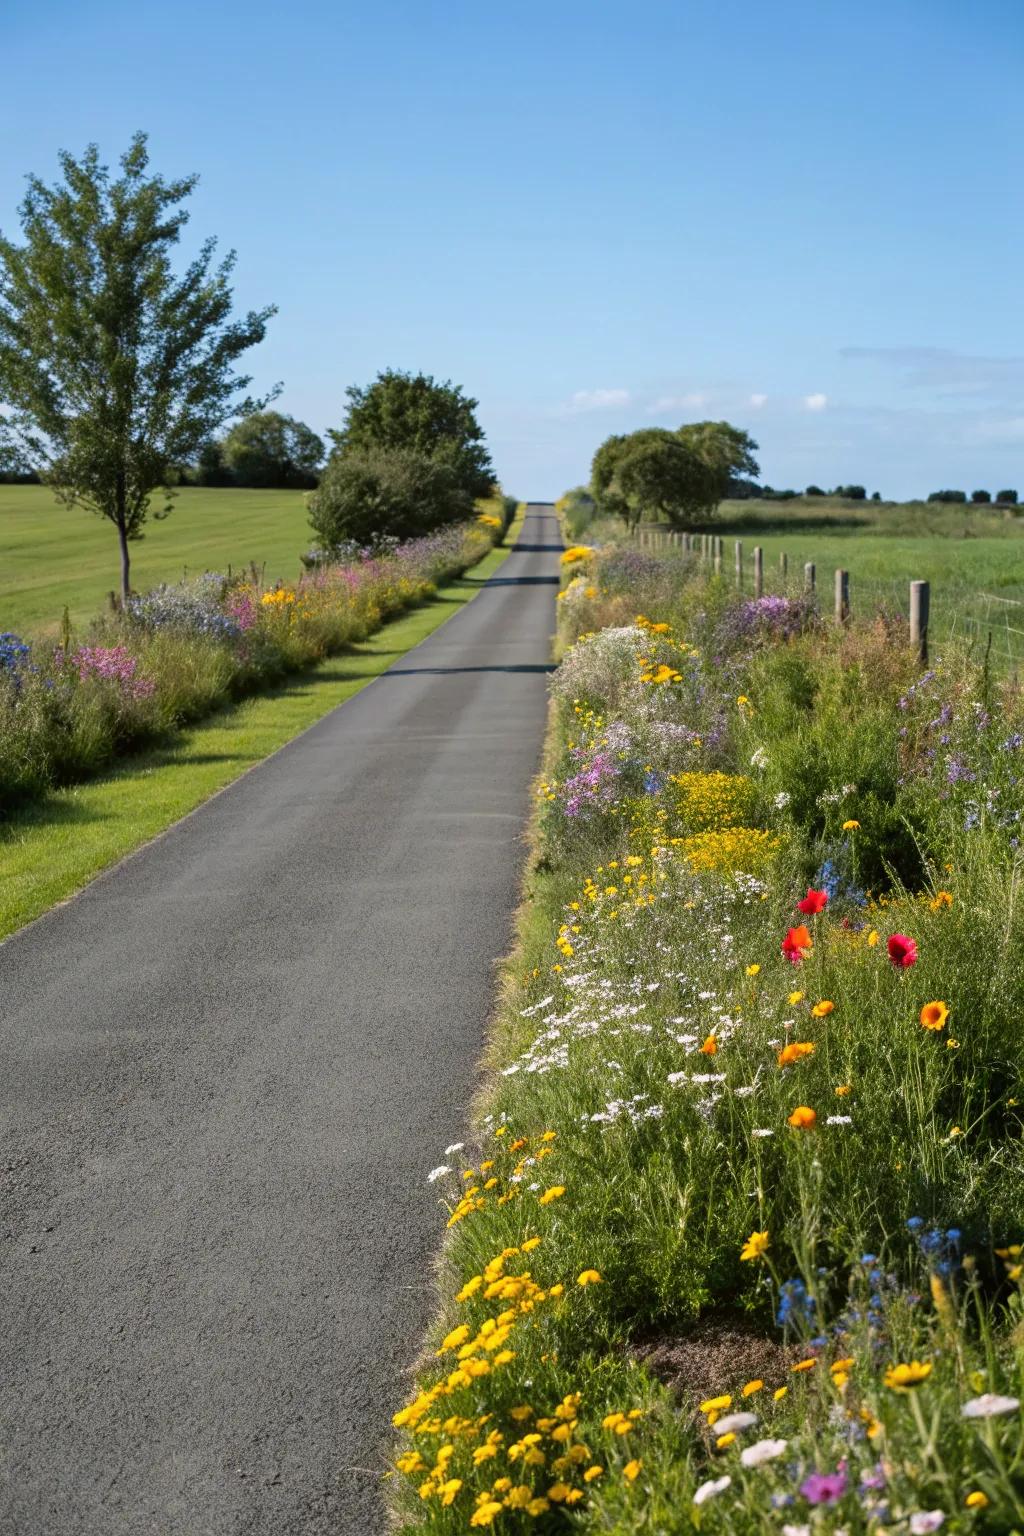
pixel 902 951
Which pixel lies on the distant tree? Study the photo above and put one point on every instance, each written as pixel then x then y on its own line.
pixel 876 496
pixel 727 451
pixel 368 494
pixel 210 468
pixel 980 498
pixel 1008 498
pixel 114 370
pixel 415 413
pixel 273 452
pixel 851 492
pixel 667 479
pixel 951 496
pixel 814 490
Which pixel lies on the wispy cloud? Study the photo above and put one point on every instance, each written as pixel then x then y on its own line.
pixel 815 402
pixel 941 368
pixel 667 405
pixel 596 400
pixel 757 401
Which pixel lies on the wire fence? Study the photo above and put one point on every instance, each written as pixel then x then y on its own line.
pixel 990 626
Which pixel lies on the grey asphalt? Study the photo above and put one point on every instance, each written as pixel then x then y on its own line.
pixel 226 1068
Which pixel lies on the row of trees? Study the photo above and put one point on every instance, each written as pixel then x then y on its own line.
pixel 680 476
pixel 117 376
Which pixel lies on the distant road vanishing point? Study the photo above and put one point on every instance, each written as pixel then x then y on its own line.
pixel 227 1067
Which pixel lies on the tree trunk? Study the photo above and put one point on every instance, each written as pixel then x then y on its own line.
pixel 122 535
pixel 121 519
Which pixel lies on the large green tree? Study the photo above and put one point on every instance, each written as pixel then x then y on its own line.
pixel 273 451
pixel 728 451
pixel 665 478
pixel 415 413
pixel 367 494
pixel 115 370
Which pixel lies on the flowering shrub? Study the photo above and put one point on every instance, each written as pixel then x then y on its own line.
pixel 198 607
pixel 756 1062
pixel 111 664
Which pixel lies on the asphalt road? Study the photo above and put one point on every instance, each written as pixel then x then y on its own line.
pixel 226 1068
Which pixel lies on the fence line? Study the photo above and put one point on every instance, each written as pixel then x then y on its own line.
pixel 980 619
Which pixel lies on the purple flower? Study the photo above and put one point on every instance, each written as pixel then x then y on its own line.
pixel 824 1487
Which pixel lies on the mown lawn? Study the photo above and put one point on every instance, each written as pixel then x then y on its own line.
pixel 53 556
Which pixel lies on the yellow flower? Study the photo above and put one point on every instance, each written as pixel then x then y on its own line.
pixel 851 826
pixel 593 1472
pixel 934 1016
pixel 794 998
pixel 823 1009
pixel 942 899
pixel 755 1247
pixel 457 1336
pixel 903 1378
pixel 714 1404
pixel 976 1500
pixel 554 1193
pixel 805 1365
pixel 752 1387
pixel 724 1440
pixel 872 938
pixel 631 1471
pixel 485 1514
pixel 779 1394
pixel 537 1507
pixel 842 1089
pixel 752 970
pixel 589 1277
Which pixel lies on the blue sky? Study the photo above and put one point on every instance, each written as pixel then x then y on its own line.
pixel 804 216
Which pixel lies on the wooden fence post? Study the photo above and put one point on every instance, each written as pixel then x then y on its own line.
pixel 739 562
pixel 920 603
pixel 784 565
pixel 687 543
pixel 719 545
pixel 842 596
pixel 809 576
pixel 758 571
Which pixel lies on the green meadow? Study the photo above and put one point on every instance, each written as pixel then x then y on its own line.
pixel 52 557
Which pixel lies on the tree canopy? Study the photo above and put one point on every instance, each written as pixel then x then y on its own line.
pixel 273 451
pixel 115 371
pixel 415 413
pixel 680 475
pixel 365 495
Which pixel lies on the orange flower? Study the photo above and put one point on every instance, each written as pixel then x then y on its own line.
pixel 710 1046
pixel 797 944
pixel 803 1118
pixel 795 1051
pixel 822 1009
pixel 934 1016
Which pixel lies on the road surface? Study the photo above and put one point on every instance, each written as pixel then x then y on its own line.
pixel 226 1069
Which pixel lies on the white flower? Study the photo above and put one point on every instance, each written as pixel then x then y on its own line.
pixel 733 1422
pixel 759 759
pixel 989 1406
pixel 438 1173
pixel 761 1451
pixel 926 1520
pixel 839 1120
pixel 762 1132
pixel 781 800
pixel 456 1146
pixel 796 1530
pixel 711 1488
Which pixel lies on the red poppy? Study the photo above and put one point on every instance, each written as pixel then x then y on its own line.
pixel 797 944
pixel 902 951
pixel 813 903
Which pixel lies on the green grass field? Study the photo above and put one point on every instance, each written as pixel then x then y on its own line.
pixel 53 556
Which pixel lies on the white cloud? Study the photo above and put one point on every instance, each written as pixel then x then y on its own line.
pixel 597 399
pixel 758 400
pixel 815 402
pixel 670 403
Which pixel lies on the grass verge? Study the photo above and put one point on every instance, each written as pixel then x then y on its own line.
pixel 51 848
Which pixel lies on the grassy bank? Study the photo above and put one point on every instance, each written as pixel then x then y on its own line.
pixel 52 557
pixel 52 848
pixel 733 1245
